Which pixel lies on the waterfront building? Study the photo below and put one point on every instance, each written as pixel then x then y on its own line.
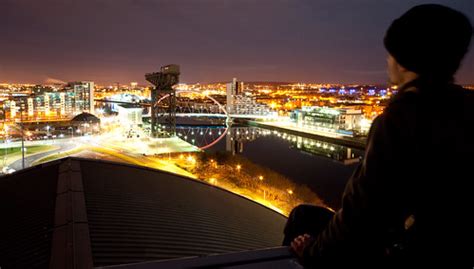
pixel 345 121
pixel 83 96
pixel 48 103
pixel 232 89
pixel 13 109
pixel 247 105
pixel 130 115
pixel 242 103
pixel 30 107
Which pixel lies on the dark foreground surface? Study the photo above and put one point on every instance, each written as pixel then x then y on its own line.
pixel 84 213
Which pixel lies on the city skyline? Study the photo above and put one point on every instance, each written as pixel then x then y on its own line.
pixel 108 42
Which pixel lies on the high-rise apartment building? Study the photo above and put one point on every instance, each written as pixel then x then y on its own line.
pixel 83 96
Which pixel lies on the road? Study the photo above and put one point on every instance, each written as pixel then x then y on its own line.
pixel 63 146
pixel 138 151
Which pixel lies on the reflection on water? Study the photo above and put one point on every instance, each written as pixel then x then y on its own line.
pixel 324 167
pixel 236 137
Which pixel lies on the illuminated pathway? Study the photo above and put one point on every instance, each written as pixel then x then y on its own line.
pixel 138 151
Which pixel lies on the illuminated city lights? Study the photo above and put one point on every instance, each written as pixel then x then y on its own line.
pixel 336 111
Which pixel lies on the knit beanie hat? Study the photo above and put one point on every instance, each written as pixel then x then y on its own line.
pixel 430 40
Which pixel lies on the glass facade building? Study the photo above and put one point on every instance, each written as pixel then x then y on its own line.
pixel 345 121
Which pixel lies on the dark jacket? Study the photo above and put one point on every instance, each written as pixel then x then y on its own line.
pixel 411 197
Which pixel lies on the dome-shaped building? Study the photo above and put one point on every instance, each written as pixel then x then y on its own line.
pixel 85 123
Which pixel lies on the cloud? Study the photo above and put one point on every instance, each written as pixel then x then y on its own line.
pixel 54 81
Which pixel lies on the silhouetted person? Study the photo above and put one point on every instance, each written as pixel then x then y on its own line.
pixel 410 201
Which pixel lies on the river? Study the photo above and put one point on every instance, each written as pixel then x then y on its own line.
pixel 323 167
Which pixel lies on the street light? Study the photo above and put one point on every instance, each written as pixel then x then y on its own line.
pixel 5 127
pixel 264 192
pixel 22 139
pixel 214 164
pixel 191 159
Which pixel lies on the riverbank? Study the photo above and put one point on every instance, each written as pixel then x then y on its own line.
pixel 352 142
pixel 239 175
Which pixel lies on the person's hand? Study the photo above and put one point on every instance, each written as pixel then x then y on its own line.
pixel 300 243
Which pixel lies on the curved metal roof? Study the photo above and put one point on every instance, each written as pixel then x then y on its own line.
pixel 86 117
pixel 117 214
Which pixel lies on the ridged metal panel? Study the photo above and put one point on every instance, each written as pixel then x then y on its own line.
pixel 139 214
pixel 27 202
pixel 70 247
pixel 272 258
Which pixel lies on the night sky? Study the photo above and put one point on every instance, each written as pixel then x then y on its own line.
pixel 213 40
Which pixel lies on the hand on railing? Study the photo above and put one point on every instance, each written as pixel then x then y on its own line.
pixel 300 243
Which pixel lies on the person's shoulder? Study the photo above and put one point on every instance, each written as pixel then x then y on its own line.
pixel 467 94
pixel 405 98
pixel 404 104
pixel 460 96
pixel 467 102
pixel 400 114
